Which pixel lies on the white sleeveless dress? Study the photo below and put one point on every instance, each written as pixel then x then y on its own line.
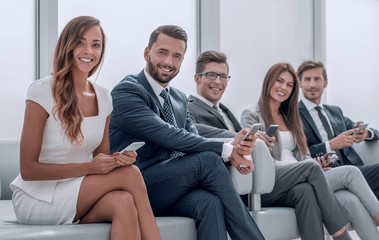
pixel 54 202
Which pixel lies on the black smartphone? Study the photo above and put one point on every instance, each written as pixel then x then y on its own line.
pixel 272 130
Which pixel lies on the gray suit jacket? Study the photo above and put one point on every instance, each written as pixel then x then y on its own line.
pixel 253 115
pixel 208 121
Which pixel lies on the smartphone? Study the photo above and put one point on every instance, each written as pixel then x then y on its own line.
pixel 133 147
pixel 326 155
pixel 272 130
pixel 253 129
pixel 361 127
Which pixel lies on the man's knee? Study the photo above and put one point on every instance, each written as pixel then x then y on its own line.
pixel 210 159
pixel 347 199
pixel 207 204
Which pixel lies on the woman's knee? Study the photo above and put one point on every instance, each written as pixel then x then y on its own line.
pixel 123 202
pixel 131 174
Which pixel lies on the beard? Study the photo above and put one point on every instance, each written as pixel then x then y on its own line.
pixel 162 78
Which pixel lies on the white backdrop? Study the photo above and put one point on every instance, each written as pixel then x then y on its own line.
pixel 17 64
pixel 128 25
pixel 353 58
pixel 254 34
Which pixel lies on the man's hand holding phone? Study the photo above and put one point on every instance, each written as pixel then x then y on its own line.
pixel 361 132
pixel 244 141
pixel 324 160
pixel 243 163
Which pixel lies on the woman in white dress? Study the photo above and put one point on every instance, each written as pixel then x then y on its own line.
pixel 278 104
pixel 66 120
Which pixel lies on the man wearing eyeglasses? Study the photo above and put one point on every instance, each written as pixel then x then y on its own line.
pixel 212 118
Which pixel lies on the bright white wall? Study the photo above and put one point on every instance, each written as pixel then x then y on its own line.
pixel 17 64
pixel 128 25
pixel 257 34
pixel 352 58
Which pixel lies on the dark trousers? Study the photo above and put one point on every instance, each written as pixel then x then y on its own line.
pixel 199 186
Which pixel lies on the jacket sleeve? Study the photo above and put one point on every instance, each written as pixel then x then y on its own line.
pixel 135 113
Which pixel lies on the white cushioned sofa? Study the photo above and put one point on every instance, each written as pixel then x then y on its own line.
pixel 274 222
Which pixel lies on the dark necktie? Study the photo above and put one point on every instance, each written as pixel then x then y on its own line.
pixel 324 122
pixel 169 117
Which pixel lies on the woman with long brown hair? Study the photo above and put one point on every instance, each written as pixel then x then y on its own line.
pixel 278 104
pixel 66 121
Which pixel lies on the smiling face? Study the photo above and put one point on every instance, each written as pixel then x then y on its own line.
pixel 313 84
pixel 164 59
pixel 282 87
pixel 86 55
pixel 212 89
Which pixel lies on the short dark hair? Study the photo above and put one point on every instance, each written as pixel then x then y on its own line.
pixel 210 56
pixel 311 64
pixel 170 30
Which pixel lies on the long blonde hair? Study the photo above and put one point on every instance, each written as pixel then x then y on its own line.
pixel 289 108
pixel 66 102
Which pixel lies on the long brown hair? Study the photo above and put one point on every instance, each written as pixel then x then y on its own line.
pixel 66 103
pixel 289 108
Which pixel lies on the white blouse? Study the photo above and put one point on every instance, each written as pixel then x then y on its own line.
pixel 288 145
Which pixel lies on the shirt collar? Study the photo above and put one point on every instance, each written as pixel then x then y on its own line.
pixel 311 105
pixel 207 101
pixel 157 88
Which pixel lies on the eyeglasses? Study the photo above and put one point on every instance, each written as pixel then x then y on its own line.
pixel 213 76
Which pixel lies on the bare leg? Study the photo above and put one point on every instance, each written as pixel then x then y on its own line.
pixel 376 218
pixel 119 208
pixel 339 232
pixel 127 179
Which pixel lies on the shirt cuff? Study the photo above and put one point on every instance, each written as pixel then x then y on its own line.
pixel 327 147
pixel 227 149
pixel 372 135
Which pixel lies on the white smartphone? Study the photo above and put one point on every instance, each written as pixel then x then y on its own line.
pixel 253 129
pixel 133 147
pixel 272 130
pixel 361 127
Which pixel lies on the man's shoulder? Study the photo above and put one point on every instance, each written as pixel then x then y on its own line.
pixel 333 108
pixel 129 84
pixel 177 93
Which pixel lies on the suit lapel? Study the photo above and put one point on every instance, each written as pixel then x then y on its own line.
pixel 236 124
pixel 307 116
pixel 332 120
pixel 142 79
pixel 177 108
pixel 210 109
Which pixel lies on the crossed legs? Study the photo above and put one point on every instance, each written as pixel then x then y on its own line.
pixel 304 187
pixel 121 198
pixel 199 186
